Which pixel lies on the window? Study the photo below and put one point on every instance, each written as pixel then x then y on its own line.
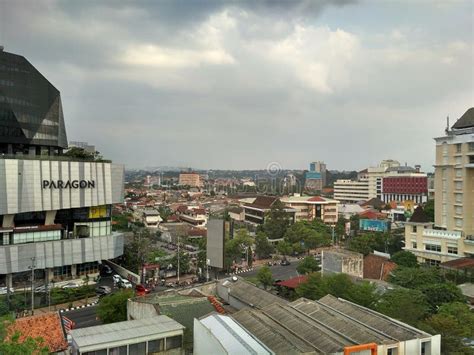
pixel 173 342
pixel 458 197
pixel 458 210
pixel 458 222
pixel 433 247
pixel 458 185
pixel 452 250
pixel 471 159
pixel 392 351
pixel 458 148
pixel 458 160
pixel 137 349
pixel 120 350
pixel 432 262
pixel 155 346
pixel 470 146
pixel 413 229
pixel 414 245
pixel 458 173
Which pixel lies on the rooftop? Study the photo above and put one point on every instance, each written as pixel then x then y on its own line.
pixel 232 336
pixel 419 216
pixel 47 326
pixel 466 120
pixel 293 282
pixel 264 202
pixel 114 332
pixel 321 327
pixel 250 294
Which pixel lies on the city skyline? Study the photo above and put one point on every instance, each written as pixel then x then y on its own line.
pixel 242 84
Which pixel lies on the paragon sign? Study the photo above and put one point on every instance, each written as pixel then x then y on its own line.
pixel 70 184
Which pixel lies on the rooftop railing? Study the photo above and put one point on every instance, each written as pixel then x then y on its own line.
pixel 52 157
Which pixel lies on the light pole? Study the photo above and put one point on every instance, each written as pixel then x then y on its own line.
pixel 32 267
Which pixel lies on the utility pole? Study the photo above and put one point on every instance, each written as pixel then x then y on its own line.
pixel 178 259
pixel 32 267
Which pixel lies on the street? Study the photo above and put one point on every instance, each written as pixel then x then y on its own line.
pixel 279 272
pixel 83 317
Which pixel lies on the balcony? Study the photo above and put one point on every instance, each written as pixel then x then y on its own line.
pixel 436 233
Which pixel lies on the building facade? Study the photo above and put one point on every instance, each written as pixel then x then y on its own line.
pixel 55 210
pixel 452 235
pixel 351 191
pixel 310 207
pixel 190 179
pixel 405 187
pixel 315 178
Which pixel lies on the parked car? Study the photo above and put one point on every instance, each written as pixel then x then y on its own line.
pixel 285 262
pixel 4 290
pixel 142 289
pixel 40 289
pixel 70 285
pixel 125 284
pixel 103 290
pixel 116 278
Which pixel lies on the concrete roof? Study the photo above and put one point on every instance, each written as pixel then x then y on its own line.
pixel 133 329
pixel 232 336
pixel 307 199
pixel 250 294
pixel 321 327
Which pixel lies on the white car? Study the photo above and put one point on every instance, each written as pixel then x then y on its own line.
pixel 4 290
pixel 125 284
pixel 116 279
pixel 71 285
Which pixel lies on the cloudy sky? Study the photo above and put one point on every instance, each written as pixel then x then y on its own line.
pixel 239 84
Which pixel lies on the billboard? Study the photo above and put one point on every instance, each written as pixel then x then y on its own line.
pixel 313 175
pixel 215 243
pixel 374 225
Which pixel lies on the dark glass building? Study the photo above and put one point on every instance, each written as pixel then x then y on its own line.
pixel 31 114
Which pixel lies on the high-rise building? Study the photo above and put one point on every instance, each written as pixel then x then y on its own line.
pixel 315 178
pixel 55 210
pixel 453 235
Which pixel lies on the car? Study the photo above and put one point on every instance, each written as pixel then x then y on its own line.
pixel 70 285
pixel 40 289
pixel 117 278
pixel 103 290
pixel 285 262
pixel 106 270
pixel 125 284
pixel 142 289
pixel 4 290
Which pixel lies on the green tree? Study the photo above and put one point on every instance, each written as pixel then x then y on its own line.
pixel 276 221
pixel 284 248
pixel 265 277
pixel 165 212
pixel 308 265
pixel 415 277
pixel 113 308
pixel 184 262
pixel 366 243
pixel 451 331
pixel 404 258
pixel 364 293
pixel 304 236
pixel 314 287
pixel 11 345
pixel 429 209
pixel 438 294
pixel 137 249
pixel 263 248
pixel 462 313
pixel 409 306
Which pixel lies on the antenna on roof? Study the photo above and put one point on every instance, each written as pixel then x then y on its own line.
pixel 447 124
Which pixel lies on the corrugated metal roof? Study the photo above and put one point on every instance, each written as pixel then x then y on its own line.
pixel 113 332
pixel 232 336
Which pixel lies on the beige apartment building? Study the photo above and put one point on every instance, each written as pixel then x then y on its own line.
pixel 310 207
pixel 452 236
pixel 351 191
pixel 190 179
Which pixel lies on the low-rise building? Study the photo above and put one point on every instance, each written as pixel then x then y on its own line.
pixel 221 335
pixel 351 191
pixel 335 261
pixel 257 210
pixel 310 207
pixel 333 326
pixel 142 336
pixel 151 218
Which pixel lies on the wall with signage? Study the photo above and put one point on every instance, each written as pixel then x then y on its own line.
pixel 43 185
pixel 374 225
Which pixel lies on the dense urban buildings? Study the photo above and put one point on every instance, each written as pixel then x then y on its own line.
pixel 55 210
pixel 452 235
pixel 190 179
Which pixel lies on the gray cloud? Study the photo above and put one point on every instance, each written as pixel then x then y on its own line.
pixel 241 83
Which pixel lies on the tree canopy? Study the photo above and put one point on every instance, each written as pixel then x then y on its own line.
pixel 308 265
pixel 113 308
pixel 265 277
pixel 263 248
pixel 404 258
pixel 276 221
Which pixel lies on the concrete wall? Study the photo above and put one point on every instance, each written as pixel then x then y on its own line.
pixel 340 262
pixel 124 273
pixel 17 258
pixel 21 185
pixel 140 310
pixel 204 342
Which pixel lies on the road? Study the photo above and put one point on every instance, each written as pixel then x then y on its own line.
pixel 83 317
pixel 279 272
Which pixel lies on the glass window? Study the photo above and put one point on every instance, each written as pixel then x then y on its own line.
pixel 413 229
pixel 433 247
pixel 458 222
pixel 458 185
pixel 471 146
pixel 458 173
pixel 458 148
pixel 414 245
pixel 452 250
pixel 121 350
pixel 155 346
pixel 458 160
pixel 173 342
pixel 432 263
pixel 458 197
pixel 458 209
pixel 137 349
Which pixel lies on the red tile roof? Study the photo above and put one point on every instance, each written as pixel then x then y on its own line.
pixel 462 263
pixel 317 199
pixel 294 282
pixel 377 267
pixel 46 326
